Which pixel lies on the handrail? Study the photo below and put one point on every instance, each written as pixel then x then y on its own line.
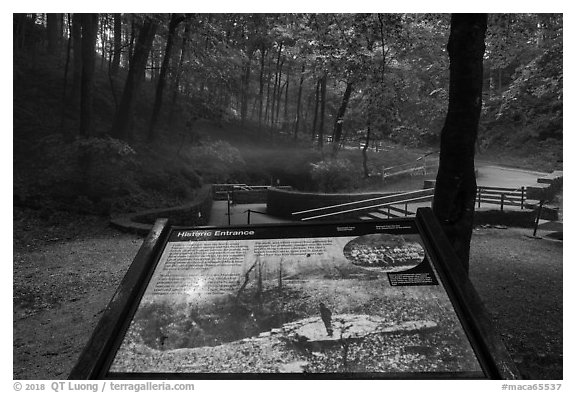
pixel 418 199
pixel 358 202
pixel 506 198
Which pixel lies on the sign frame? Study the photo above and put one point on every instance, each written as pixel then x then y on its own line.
pixel 98 354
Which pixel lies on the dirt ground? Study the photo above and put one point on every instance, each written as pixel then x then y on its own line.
pixel 66 269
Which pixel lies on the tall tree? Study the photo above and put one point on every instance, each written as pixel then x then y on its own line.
pixel 263 51
pixel 175 20
pixel 115 66
pixel 178 72
pixel 133 79
pixel 322 110
pixel 89 33
pixel 299 101
pixel 316 102
pixel 337 133
pixel 54 32
pixel 456 181
pixel 77 55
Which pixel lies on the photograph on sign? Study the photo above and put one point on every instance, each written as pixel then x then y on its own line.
pixel 339 300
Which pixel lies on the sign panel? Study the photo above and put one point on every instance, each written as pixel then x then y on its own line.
pixel 356 298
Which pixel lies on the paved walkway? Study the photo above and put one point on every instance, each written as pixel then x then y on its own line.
pixel 239 214
pixel 496 176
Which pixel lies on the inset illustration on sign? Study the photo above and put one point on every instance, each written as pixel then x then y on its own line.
pixel 390 253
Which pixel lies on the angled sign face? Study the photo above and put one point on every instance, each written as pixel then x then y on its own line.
pixel 357 299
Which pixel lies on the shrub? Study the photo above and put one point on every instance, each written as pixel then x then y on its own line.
pixel 216 161
pixel 333 175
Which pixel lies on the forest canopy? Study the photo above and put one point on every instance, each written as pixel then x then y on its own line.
pixel 126 86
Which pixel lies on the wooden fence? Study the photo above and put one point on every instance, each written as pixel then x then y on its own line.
pixel 501 196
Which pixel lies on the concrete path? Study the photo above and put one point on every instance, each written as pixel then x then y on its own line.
pixel 497 176
pixel 239 214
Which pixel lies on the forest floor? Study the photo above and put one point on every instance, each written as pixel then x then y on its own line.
pixel 67 267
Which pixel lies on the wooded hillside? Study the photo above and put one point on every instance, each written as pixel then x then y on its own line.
pixel 112 111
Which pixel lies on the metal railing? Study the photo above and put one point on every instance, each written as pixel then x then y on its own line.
pixel 421 166
pixel 366 204
pixel 513 197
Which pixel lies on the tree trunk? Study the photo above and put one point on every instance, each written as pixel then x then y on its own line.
pixel 179 70
pixel 276 87
pixel 53 32
pixel 117 44
pixel 261 90
pixel 279 94
pixel 266 111
pixel 89 34
pixel 337 133
pixel 137 68
pixel 322 111
pixel 77 55
pixel 132 39
pixel 103 40
pixel 299 101
pixel 365 152
pixel 19 31
pixel 285 120
pixel 174 21
pixel 65 84
pixel 316 102
pixel 245 90
pixel 456 181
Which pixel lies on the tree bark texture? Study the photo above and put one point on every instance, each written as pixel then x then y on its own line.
pixel 89 33
pixel 456 181
pixel 135 72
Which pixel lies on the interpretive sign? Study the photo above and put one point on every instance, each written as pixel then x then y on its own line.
pixel 364 299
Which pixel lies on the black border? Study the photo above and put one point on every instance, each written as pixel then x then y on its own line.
pixel 494 359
